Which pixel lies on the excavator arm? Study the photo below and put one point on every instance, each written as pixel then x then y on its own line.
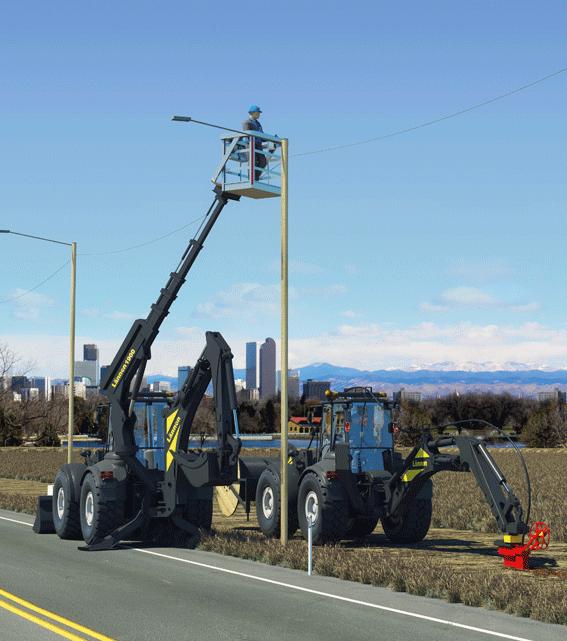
pixel 203 467
pixel 427 459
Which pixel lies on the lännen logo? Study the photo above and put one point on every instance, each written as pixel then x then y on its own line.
pixel 124 367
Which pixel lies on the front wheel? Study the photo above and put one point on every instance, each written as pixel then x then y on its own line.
pixel 325 506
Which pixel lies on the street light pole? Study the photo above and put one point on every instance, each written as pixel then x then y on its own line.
pixel 73 247
pixel 72 353
pixel 284 349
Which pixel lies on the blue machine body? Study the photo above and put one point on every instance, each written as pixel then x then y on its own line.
pixel 366 427
pixel 149 433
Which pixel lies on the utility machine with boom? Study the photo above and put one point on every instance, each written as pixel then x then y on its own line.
pixel 115 496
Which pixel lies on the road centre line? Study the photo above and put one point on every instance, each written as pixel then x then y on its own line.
pixel 44 624
pixel 51 615
pixel 337 597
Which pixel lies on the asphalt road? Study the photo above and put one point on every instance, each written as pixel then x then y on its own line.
pixel 184 595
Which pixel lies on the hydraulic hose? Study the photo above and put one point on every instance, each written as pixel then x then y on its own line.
pixel 481 421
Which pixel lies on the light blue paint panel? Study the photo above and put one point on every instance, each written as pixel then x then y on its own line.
pixel 368 436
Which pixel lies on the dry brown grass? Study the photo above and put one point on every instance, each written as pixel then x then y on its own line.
pixel 33 463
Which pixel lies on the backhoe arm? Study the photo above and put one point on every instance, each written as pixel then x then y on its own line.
pixel 211 466
pixel 426 459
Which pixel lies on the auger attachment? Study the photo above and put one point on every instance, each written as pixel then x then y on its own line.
pixel 517 556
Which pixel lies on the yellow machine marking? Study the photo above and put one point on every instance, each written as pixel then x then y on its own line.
pixel 416 466
pixel 124 367
pixel 172 425
pixel 512 538
pixel 49 615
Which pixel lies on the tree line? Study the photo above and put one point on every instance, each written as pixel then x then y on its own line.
pixel 535 423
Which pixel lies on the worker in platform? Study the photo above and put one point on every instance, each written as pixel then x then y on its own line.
pixel 253 124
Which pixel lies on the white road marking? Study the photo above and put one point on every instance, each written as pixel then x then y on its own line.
pixel 337 597
pixel 5 518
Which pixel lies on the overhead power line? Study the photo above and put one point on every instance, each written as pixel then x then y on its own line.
pixel 29 291
pixel 435 121
pixel 145 243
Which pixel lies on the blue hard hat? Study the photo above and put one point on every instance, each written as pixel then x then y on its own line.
pixel 254 108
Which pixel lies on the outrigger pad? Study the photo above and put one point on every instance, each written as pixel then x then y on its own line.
pixel 43 523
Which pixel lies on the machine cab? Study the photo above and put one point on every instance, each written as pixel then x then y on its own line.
pixel 363 420
pixel 251 165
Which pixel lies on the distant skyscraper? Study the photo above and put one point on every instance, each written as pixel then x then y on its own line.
pixel 160 386
pixel 103 371
pixel 183 372
pixel 88 367
pixel 268 368
pixel 292 383
pixel 90 352
pixel 19 383
pixel 43 385
pixel 315 390
pixel 251 366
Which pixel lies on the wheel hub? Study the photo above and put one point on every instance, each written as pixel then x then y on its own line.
pixel 60 503
pixel 268 502
pixel 312 507
pixel 89 509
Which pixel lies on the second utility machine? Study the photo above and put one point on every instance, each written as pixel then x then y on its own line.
pixel 353 477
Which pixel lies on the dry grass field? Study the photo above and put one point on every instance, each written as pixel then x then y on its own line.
pixel 457 561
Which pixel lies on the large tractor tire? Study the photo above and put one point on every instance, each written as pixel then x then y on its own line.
pixel 362 526
pixel 327 506
pixel 199 512
pixel 413 526
pixel 98 515
pixel 66 518
pixel 268 505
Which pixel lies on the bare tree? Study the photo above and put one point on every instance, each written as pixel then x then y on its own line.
pixel 8 360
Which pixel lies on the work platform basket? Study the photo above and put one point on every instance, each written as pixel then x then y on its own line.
pixel 251 165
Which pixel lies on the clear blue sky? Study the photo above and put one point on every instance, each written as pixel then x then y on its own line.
pixel 443 244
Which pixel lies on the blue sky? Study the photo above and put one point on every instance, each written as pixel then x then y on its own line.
pixel 445 244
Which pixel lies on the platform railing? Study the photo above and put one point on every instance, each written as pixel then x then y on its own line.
pixel 251 165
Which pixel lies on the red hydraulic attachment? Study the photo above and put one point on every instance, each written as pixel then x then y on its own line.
pixel 517 556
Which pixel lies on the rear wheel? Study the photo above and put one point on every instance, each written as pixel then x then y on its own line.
pixel 412 526
pixel 325 506
pixel 98 515
pixel 362 526
pixel 268 505
pixel 66 519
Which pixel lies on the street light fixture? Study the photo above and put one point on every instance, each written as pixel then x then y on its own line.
pixel 73 247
